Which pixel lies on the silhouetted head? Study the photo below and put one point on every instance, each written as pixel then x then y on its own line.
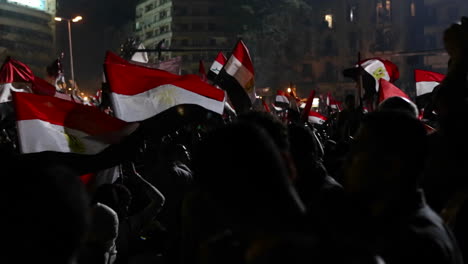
pixel 399 104
pixel 241 167
pixel 271 124
pixel 388 156
pixel 302 142
pixel 46 214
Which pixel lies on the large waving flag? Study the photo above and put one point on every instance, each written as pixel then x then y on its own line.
pixel 139 93
pixel 237 78
pixel 47 123
pixel 387 90
pixel 426 81
pixel 216 67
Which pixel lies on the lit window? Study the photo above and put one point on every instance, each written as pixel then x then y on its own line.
pixel 351 15
pixel 388 5
pixel 413 9
pixel 329 20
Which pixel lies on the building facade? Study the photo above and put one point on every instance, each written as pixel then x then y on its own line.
pixel 408 33
pixel 195 28
pixel 27 32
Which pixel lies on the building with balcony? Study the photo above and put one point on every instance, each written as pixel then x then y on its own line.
pixel 183 25
pixel 27 32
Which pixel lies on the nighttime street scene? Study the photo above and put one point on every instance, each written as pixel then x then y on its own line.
pixel 234 131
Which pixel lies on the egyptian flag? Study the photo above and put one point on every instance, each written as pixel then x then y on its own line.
pixel 308 106
pixel 48 123
pixel 281 101
pixel 332 103
pixel 216 66
pixel 316 118
pixel 14 71
pixel 202 71
pixel 426 81
pixel 387 90
pixel 138 93
pixel 42 87
pixel 237 78
pixel 380 69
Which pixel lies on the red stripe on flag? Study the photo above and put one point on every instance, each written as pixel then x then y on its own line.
pixel 318 115
pixel 65 113
pixel 387 90
pixel 132 80
pixel 221 58
pixel 242 54
pixel 114 58
pixel 41 86
pixel 308 106
pixel 428 76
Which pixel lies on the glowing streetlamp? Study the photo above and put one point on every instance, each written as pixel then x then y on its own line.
pixel 74 20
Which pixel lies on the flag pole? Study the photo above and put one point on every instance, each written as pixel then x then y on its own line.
pixel 361 85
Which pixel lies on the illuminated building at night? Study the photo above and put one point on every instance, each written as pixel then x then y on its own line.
pixel 183 25
pixel 27 32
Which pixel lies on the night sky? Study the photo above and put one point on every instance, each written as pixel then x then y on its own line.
pixel 105 24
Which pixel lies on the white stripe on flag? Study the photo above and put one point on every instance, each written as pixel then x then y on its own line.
pixel 316 120
pixel 376 69
pixel 37 136
pixel 281 99
pixel 425 87
pixel 152 102
pixel 216 67
pixel 236 69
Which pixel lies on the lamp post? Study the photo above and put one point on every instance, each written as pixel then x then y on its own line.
pixel 74 20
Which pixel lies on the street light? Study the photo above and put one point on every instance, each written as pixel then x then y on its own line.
pixel 74 20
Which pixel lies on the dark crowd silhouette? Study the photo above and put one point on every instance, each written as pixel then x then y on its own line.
pixel 256 188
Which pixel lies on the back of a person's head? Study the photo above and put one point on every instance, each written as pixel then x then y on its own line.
pixel 399 104
pixel 302 143
pixel 271 124
pixel 46 214
pixel 398 135
pixel 242 168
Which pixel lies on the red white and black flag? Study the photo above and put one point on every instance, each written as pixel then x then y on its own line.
pixel 216 67
pixel 237 77
pixel 426 81
pixel 316 118
pixel 139 93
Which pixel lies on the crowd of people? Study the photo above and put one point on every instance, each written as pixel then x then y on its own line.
pixel 255 189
